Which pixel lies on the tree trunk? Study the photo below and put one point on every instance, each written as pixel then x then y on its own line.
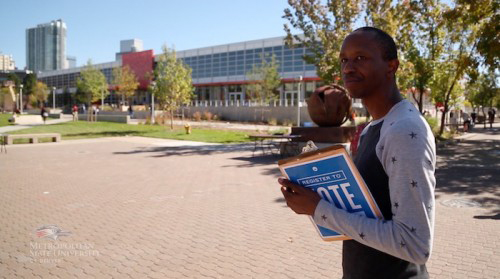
pixel 446 101
pixel 443 118
pixel 171 119
pixel 419 99
pixel 484 115
pixel 420 102
pixel 89 113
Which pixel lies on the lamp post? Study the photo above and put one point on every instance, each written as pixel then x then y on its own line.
pixel 153 87
pixel 298 102
pixel 21 97
pixel 54 98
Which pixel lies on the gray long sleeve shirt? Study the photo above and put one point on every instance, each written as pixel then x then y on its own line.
pixel 406 151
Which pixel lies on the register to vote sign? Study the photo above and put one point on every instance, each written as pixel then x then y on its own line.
pixel 335 179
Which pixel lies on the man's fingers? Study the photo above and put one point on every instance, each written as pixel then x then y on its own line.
pixel 290 185
pixel 338 87
pixel 287 194
pixel 295 188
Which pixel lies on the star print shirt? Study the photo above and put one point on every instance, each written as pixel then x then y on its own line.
pixel 396 158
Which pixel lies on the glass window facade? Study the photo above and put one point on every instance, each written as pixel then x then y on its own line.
pixel 240 62
pixel 229 66
pixel 69 80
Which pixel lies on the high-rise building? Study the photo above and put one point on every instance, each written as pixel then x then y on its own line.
pixel 46 46
pixel 7 62
pixel 71 61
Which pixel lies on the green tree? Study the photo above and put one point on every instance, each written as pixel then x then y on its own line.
pixel 4 92
pixel 125 82
pixel 483 92
pixel 324 27
pixel 29 83
pixel 39 95
pixel 173 83
pixel 485 16
pixel 17 81
pixel 460 53
pixel 264 80
pixel 417 27
pixel 92 86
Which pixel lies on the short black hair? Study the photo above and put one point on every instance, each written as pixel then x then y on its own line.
pixel 385 41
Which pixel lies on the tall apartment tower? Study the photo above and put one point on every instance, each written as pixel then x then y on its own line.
pixel 46 46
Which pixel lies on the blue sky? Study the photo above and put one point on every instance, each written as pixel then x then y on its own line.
pixel 95 28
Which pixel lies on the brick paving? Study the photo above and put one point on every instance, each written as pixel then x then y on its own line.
pixel 150 208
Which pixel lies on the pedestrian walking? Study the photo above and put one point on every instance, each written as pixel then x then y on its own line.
pixel 75 112
pixel 473 116
pixel 130 111
pixel 466 120
pixel 44 114
pixel 491 117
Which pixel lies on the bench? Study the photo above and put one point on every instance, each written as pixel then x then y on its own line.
pixel 33 138
pixel 283 143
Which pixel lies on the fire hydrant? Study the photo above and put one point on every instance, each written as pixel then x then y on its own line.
pixel 188 128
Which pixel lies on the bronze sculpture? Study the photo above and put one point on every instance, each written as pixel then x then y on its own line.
pixel 329 106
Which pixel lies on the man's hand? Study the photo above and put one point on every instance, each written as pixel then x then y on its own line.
pixel 300 199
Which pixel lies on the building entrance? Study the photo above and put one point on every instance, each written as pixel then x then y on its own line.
pixel 291 98
pixel 236 97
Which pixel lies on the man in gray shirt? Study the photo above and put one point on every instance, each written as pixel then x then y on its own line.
pixel 396 158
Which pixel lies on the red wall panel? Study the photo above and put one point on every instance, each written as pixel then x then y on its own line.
pixel 141 63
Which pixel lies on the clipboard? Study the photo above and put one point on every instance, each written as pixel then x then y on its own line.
pixel 332 174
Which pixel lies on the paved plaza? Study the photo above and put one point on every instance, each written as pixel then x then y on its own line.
pixel 135 207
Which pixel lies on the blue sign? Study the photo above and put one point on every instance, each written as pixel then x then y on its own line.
pixel 336 180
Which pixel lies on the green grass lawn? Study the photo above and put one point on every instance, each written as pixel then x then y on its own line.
pixel 83 129
pixel 4 119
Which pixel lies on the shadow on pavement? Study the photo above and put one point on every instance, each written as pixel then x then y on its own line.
pixel 471 168
pixel 186 150
pixel 259 159
pixel 263 160
pixel 281 201
pixel 105 134
pixel 492 217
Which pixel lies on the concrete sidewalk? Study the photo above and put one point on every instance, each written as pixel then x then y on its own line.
pixel 10 128
pixel 467 236
pixel 223 125
pixel 149 208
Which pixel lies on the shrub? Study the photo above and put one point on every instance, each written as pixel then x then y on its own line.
pixel 106 108
pixel 282 131
pixel 433 123
pixel 207 115
pixel 287 122
pixel 162 118
pixel 197 116
pixel 272 121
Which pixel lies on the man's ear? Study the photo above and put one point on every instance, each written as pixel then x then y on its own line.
pixel 393 67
